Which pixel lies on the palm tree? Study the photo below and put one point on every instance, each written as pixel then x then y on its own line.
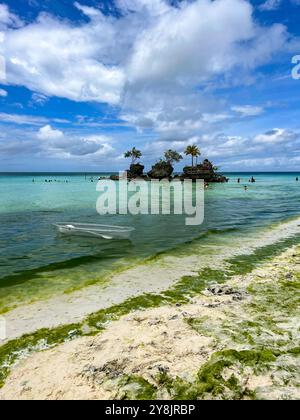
pixel 193 151
pixel 134 154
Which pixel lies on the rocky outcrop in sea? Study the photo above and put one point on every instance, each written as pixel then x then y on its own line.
pixel 164 170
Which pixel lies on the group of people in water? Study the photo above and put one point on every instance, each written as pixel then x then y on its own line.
pixel 54 180
pixel 252 180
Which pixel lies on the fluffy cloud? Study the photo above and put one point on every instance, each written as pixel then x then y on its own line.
pixel 8 19
pixel 49 143
pixel 3 93
pixel 196 44
pixel 49 133
pixel 74 66
pixel 201 39
pixel 228 151
pixel 277 135
pixel 152 43
pixel 158 61
pixel 57 143
pixel 277 148
pixel 90 146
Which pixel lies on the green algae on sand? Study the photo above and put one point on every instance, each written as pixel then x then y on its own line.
pixel 179 294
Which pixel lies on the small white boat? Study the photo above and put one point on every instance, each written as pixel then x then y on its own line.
pixel 95 231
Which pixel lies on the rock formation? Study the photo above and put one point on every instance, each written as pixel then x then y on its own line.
pixel 204 171
pixel 164 170
pixel 161 170
pixel 136 170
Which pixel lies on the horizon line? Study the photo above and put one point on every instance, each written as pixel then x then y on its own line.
pixel 110 172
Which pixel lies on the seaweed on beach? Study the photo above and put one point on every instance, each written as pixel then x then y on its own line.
pixel 180 293
pixel 27 344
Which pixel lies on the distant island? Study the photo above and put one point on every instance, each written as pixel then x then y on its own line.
pixel 164 169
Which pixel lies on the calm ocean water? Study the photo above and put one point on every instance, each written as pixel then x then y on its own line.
pixel 37 262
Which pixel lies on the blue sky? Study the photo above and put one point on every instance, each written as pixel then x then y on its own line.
pixel 82 82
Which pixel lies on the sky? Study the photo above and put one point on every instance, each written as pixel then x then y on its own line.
pixel 81 82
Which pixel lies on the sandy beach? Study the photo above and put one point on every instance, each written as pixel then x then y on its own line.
pixel 235 340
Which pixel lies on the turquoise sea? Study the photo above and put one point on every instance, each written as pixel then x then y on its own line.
pixel 36 262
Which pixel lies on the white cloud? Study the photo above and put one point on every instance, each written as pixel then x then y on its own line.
pixel 277 149
pixel 153 7
pixel 202 39
pixel 59 144
pixel 49 133
pixel 3 93
pixel 91 12
pixel 274 147
pixel 95 146
pixel 157 148
pixel 227 150
pixel 213 118
pixel 270 5
pixel 22 119
pixel 8 19
pixel 248 110
pixel 159 63
pixel 257 163
pixel 277 135
pixel 38 99
pixel 74 66
pixel 152 44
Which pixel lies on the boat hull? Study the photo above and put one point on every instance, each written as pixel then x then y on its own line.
pixel 95 231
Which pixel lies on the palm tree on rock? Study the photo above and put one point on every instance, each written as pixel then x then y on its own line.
pixel 192 150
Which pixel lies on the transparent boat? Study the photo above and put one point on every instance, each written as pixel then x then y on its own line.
pixel 95 230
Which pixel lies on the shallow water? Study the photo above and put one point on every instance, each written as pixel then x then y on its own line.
pixel 37 262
